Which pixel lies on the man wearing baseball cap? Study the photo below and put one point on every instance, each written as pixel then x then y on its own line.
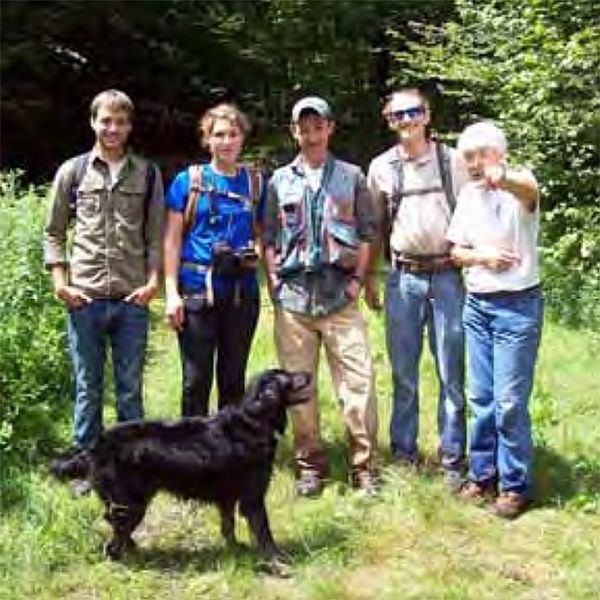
pixel 318 229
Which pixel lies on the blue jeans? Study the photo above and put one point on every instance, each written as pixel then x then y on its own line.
pixel 503 334
pixel 413 301
pixel 125 326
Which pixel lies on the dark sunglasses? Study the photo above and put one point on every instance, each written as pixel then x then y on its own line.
pixel 412 113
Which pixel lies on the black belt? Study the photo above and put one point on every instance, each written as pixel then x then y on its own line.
pixel 506 293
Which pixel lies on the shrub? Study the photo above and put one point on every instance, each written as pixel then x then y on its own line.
pixel 35 381
pixel 571 260
pixel 533 67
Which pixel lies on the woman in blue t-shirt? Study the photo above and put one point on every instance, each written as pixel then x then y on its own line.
pixel 214 212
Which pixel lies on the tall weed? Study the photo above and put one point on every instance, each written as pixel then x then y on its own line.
pixel 35 383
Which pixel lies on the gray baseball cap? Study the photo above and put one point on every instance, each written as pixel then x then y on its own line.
pixel 311 103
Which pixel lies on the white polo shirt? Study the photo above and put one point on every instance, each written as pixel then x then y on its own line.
pixel 496 218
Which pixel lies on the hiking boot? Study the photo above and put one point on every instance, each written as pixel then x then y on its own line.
pixel 81 487
pixel 509 505
pixel 309 485
pixel 478 491
pixel 454 480
pixel 366 482
pixel 406 463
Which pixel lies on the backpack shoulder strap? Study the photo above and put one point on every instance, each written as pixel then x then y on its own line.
pixel 80 165
pixel 395 197
pixel 445 169
pixel 255 190
pixel 151 170
pixel 255 184
pixel 195 174
pixel 393 203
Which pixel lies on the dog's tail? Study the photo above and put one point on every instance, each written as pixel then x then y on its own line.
pixel 77 465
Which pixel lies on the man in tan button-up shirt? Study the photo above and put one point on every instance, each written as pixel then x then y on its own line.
pixel 114 199
pixel 414 185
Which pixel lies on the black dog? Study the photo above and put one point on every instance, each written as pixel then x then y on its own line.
pixel 223 459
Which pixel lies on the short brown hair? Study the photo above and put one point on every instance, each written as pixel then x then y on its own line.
pixel 413 91
pixel 114 100
pixel 229 112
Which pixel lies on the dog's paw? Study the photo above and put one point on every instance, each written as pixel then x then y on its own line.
pixel 277 566
pixel 115 549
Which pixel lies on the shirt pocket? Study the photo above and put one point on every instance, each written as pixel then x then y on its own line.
pixel 130 206
pixel 291 212
pixel 89 198
pixel 343 244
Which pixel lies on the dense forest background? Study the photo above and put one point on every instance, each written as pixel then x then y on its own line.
pixel 177 58
pixel 533 65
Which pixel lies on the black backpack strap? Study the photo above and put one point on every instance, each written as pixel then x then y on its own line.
pixel 445 170
pixel 393 204
pixel 80 165
pixel 150 181
pixel 151 170
pixel 398 191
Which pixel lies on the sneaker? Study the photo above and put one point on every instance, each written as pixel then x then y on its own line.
pixel 478 491
pixel 509 505
pixel 81 487
pixel 309 485
pixel 366 482
pixel 454 480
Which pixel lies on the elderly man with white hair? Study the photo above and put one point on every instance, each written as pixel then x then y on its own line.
pixel 494 233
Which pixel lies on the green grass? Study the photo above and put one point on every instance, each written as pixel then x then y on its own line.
pixel 412 542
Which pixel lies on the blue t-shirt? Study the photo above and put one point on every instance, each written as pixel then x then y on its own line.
pixel 231 221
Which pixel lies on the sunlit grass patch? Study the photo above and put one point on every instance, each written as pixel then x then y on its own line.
pixel 412 542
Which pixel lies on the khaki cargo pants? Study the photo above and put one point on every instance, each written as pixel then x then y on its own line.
pixel 344 336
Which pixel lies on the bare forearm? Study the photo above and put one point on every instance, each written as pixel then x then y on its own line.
pixel 364 260
pixel 172 251
pixel 490 257
pixel 270 261
pixel 59 277
pixel 153 277
pixel 465 257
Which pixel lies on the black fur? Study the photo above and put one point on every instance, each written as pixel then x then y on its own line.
pixel 225 459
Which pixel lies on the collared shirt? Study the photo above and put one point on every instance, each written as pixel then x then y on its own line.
pixel 308 290
pixel 118 227
pixel 497 219
pixel 424 213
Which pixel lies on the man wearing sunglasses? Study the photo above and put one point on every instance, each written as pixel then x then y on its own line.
pixel 414 185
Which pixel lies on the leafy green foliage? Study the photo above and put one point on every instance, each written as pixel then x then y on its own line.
pixel 532 66
pixel 178 58
pixel 35 386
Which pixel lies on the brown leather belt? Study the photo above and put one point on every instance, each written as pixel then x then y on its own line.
pixel 425 264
